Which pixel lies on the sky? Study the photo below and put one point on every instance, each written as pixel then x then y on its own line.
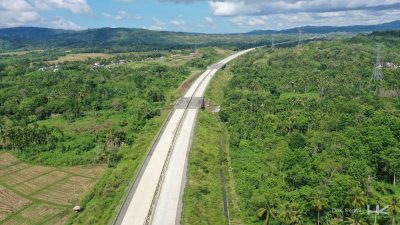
pixel 205 16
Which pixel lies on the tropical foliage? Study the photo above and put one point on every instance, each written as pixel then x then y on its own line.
pixel 313 138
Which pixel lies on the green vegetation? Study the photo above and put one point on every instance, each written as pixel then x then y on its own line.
pixel 84 112
pixel 312 136
pixel 203 199
pixel 31 194
pixel 125 40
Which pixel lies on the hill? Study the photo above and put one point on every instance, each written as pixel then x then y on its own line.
pixel 395 25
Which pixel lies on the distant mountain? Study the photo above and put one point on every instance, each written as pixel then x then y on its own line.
pixel 95 39
pixel 132 39
pixel 395 25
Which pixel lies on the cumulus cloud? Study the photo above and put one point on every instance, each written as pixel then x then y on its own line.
pixel 266 7
pixel 121 15
pixel 62 23
pixel 17 13
pixel 178 23
pixel 290 13
pixel 75 6
pixel 156 25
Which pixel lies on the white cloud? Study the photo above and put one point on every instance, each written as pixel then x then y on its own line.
pixel 14 13
pixel 273 14
pixel 121 15
pixel 17 13
pixel 75 6
pixel 157 25
pixel 178 23
pixel 62 23
pixel 269 7
pixel 249 21
pixel 290 20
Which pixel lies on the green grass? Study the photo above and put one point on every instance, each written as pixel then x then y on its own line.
pixel 101 204
pixel 203 202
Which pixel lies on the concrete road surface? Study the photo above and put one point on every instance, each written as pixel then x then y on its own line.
pixel 156 196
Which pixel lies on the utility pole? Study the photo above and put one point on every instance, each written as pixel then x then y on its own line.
pixel 377 75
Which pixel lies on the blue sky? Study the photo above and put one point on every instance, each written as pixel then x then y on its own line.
pixel 209 16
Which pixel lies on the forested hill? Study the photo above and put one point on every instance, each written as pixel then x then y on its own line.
pixel 119 39
pixel 115 38
pixel 395 25
pixel 132 39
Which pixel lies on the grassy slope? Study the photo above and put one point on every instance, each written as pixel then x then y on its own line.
pixel 203 202
pixel 102 204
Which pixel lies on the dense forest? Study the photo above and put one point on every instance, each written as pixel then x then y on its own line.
pixel 313 137
pixel 125 39
pixel 74 113
pixel 104 110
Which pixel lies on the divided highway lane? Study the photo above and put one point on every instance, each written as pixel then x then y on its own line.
pixel 156 196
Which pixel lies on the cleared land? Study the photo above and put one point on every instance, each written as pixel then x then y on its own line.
pixel 80 57
pixel 41 195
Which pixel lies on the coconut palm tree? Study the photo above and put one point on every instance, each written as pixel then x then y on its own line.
pixel 266 213
pixel 357 200
pixel 291 214
pixel 394 209
pixel 356 221
pixel 319 203
pixel 285 214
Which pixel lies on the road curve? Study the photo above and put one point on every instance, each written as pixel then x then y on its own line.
pixel 156 195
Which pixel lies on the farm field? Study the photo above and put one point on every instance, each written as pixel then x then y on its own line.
pixel 80 57
pixel 32 194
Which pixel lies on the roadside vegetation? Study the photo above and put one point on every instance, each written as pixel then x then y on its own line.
pixel 313 138
pixel 203 197
pixel 92 111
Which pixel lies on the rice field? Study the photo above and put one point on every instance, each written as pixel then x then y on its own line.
pixel 31 194
pixel 80 57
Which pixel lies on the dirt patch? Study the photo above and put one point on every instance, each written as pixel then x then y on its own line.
pixel 12 169
pixel 92 172
pixel 41 182
pixel 80 57
pixel 41 195
pixel 9 202
pixel 25 175
pixel 7 160
pixel 35 214
pixel 67 192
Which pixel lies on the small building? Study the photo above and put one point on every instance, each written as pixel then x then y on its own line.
pixel 391 65
pixel 77 209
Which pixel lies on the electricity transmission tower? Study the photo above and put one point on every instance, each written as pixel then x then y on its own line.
pixel 272 42
pixel 300 37
pixel 377 75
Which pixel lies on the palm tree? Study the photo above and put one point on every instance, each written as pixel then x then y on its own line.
pixel 336 221
pixel 291 214
pixel 265 214
pixel 357 200
pixel 319 203
pixel 356 221
pixel 285 214
pixel 394 209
